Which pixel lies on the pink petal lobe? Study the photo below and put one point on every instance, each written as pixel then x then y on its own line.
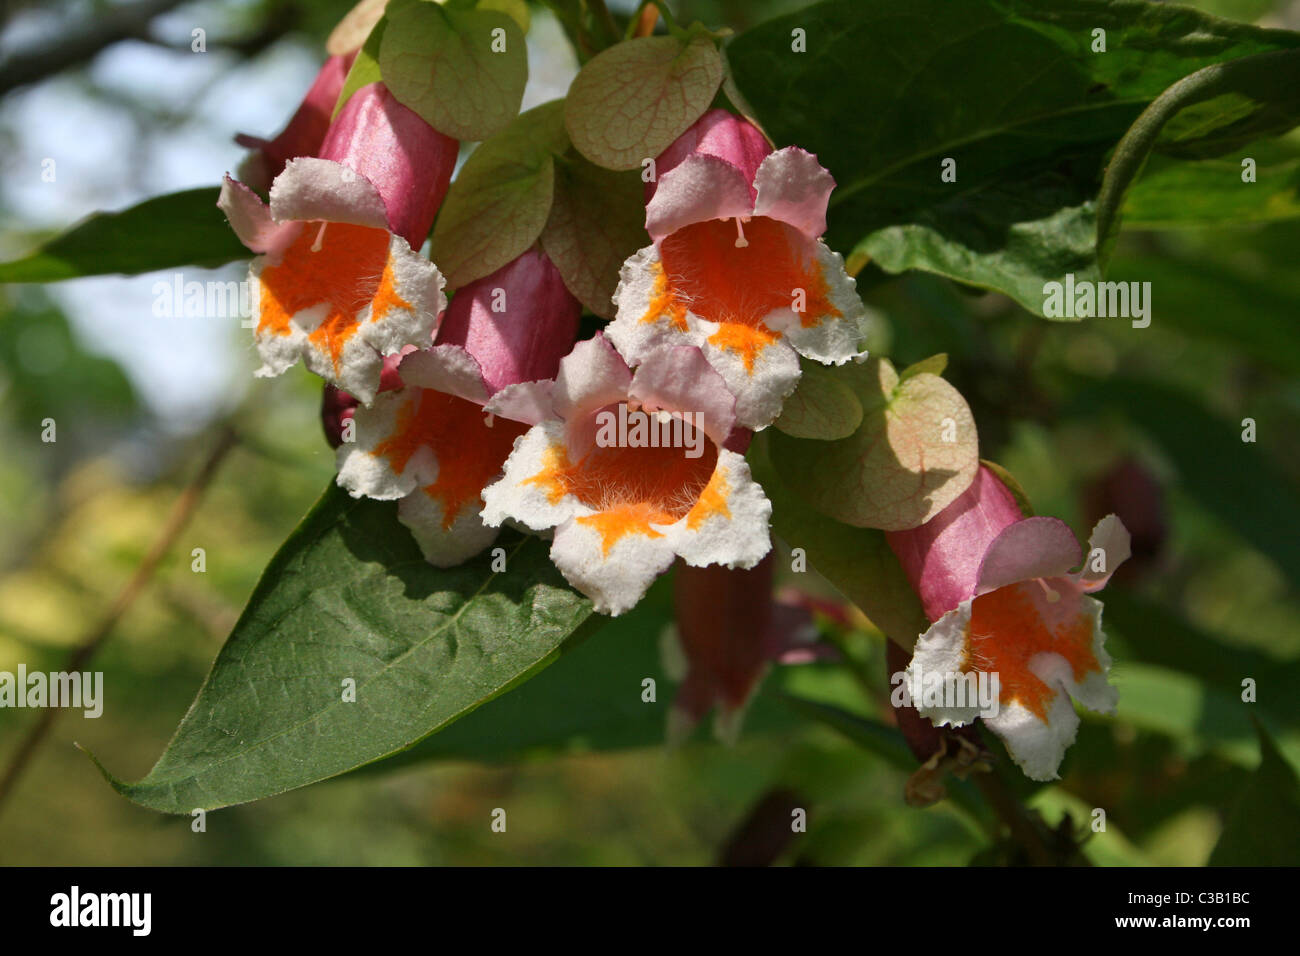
pixel 1039 547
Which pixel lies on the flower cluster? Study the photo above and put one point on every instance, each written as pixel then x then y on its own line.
pixel 627 448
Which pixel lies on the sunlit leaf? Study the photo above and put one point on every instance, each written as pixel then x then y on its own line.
pixel 348 601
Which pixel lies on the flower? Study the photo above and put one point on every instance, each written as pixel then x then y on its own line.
pixel 338 281
pixel 429 442
pixel 728 633
pixel 631 470
pixel 1003 601
pixel 305 131
pixel 737 267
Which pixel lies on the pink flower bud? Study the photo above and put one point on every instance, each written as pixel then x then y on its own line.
pixel 730 630
pixel 942 557
pixel 407 161
pixel 305 131
pixel 517 322
pixel 723 618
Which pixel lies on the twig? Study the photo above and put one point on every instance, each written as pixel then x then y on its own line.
pixel 1013 813
pixel 181 513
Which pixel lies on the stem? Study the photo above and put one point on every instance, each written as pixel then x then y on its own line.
pixel 1018 820
pixel 181 513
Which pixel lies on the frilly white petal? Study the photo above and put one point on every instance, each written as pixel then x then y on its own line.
pixel 513 496
pixel 761 391
pixel 364 473
pixel 739 538
pixel 835 339
pixel 443 547
pixel 616 581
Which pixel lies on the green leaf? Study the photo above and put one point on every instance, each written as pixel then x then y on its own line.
pixel 597 221
pixel 442 63
pixel 1198 718
pixel 857 561
pixel 823 407
pixel 1175 193
pixel 1156 635
pixel 348 596
pixel 1250 312
pixel 1010 89
pixel 631 101
pixel 915 451
pixel 591 698
pixel 1229 478
pixel 1221 107
pixel 1263 829
pixel 178 229
pixel 500 201
pixel 365 68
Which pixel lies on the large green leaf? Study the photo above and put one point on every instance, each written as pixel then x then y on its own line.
pixel 592 698
pixel 1010 89
pixel 1211 192
pixel 1263 829
pixel 178 229
pixel 348 596
pixel 1218 108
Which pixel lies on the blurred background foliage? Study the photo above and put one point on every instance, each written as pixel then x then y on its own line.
pixel 1090 417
